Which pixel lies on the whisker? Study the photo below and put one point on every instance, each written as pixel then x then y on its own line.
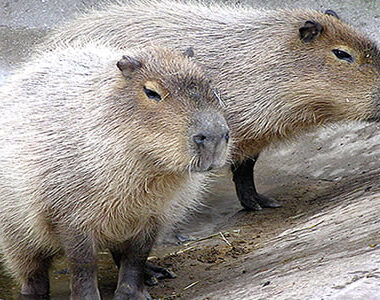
pixel 198 164
pixel 163 98
pixel 190 165
pixel 217 95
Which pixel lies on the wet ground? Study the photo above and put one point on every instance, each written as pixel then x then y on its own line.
pixel 324 243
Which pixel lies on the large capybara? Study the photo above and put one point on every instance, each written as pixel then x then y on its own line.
pixel 99 150
pixel 279 71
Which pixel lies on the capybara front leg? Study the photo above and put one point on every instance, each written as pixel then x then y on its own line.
pixel 131 258
pixel 36 286
pixel 81 253
pixel 243 177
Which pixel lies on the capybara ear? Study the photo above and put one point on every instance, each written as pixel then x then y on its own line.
pixel 332 13
pixel 310 31
pixel 189 52
pixel 127 65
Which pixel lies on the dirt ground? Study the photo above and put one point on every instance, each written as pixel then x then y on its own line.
pixel 324 243
pixel 245 246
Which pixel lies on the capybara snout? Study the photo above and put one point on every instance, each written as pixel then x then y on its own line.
pixel 209 140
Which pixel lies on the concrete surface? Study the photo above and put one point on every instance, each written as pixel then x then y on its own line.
pixel 331 252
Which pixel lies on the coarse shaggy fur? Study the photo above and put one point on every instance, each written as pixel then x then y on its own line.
pixel 82 147
pixel 274 85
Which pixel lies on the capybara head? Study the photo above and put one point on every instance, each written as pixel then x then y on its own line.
pixel 176 105
pixel 334 70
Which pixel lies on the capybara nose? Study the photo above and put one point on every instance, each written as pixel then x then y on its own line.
pixel 210 139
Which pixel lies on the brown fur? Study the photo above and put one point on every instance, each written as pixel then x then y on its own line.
pixel 87 160
pixel 274 84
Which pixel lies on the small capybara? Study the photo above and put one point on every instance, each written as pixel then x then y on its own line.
pixel 280 71
pixel 99 148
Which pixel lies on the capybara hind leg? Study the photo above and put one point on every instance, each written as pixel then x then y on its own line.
pixel 242 175
pixel 245 187
pixel 81 254
pixel 36 286
pixel 131 259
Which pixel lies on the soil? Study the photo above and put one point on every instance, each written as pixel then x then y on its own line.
pixel 211 262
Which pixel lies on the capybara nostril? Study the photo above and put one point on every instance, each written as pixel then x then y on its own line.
pixel 199 139
pixel 227 136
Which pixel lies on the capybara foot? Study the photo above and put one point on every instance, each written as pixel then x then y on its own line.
pixel 37 285
pixel 258 202
pixel 267 202
pixel 248 201
pixel 251 205
pixel 126 292
pixel 153 273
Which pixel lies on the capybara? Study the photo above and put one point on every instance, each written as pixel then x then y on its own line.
pixel 99 148
pixel 279 72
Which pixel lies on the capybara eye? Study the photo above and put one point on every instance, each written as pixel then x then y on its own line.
pixel 343 55
pixel 152 94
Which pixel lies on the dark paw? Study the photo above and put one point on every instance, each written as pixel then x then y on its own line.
pixel 251 205
pixel 246 195
pixel 36 288
pixel 267 202
pixel 153 273
pixel 256 202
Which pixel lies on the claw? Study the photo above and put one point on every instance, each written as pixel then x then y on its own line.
pixel 153 273
pixel 150 280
